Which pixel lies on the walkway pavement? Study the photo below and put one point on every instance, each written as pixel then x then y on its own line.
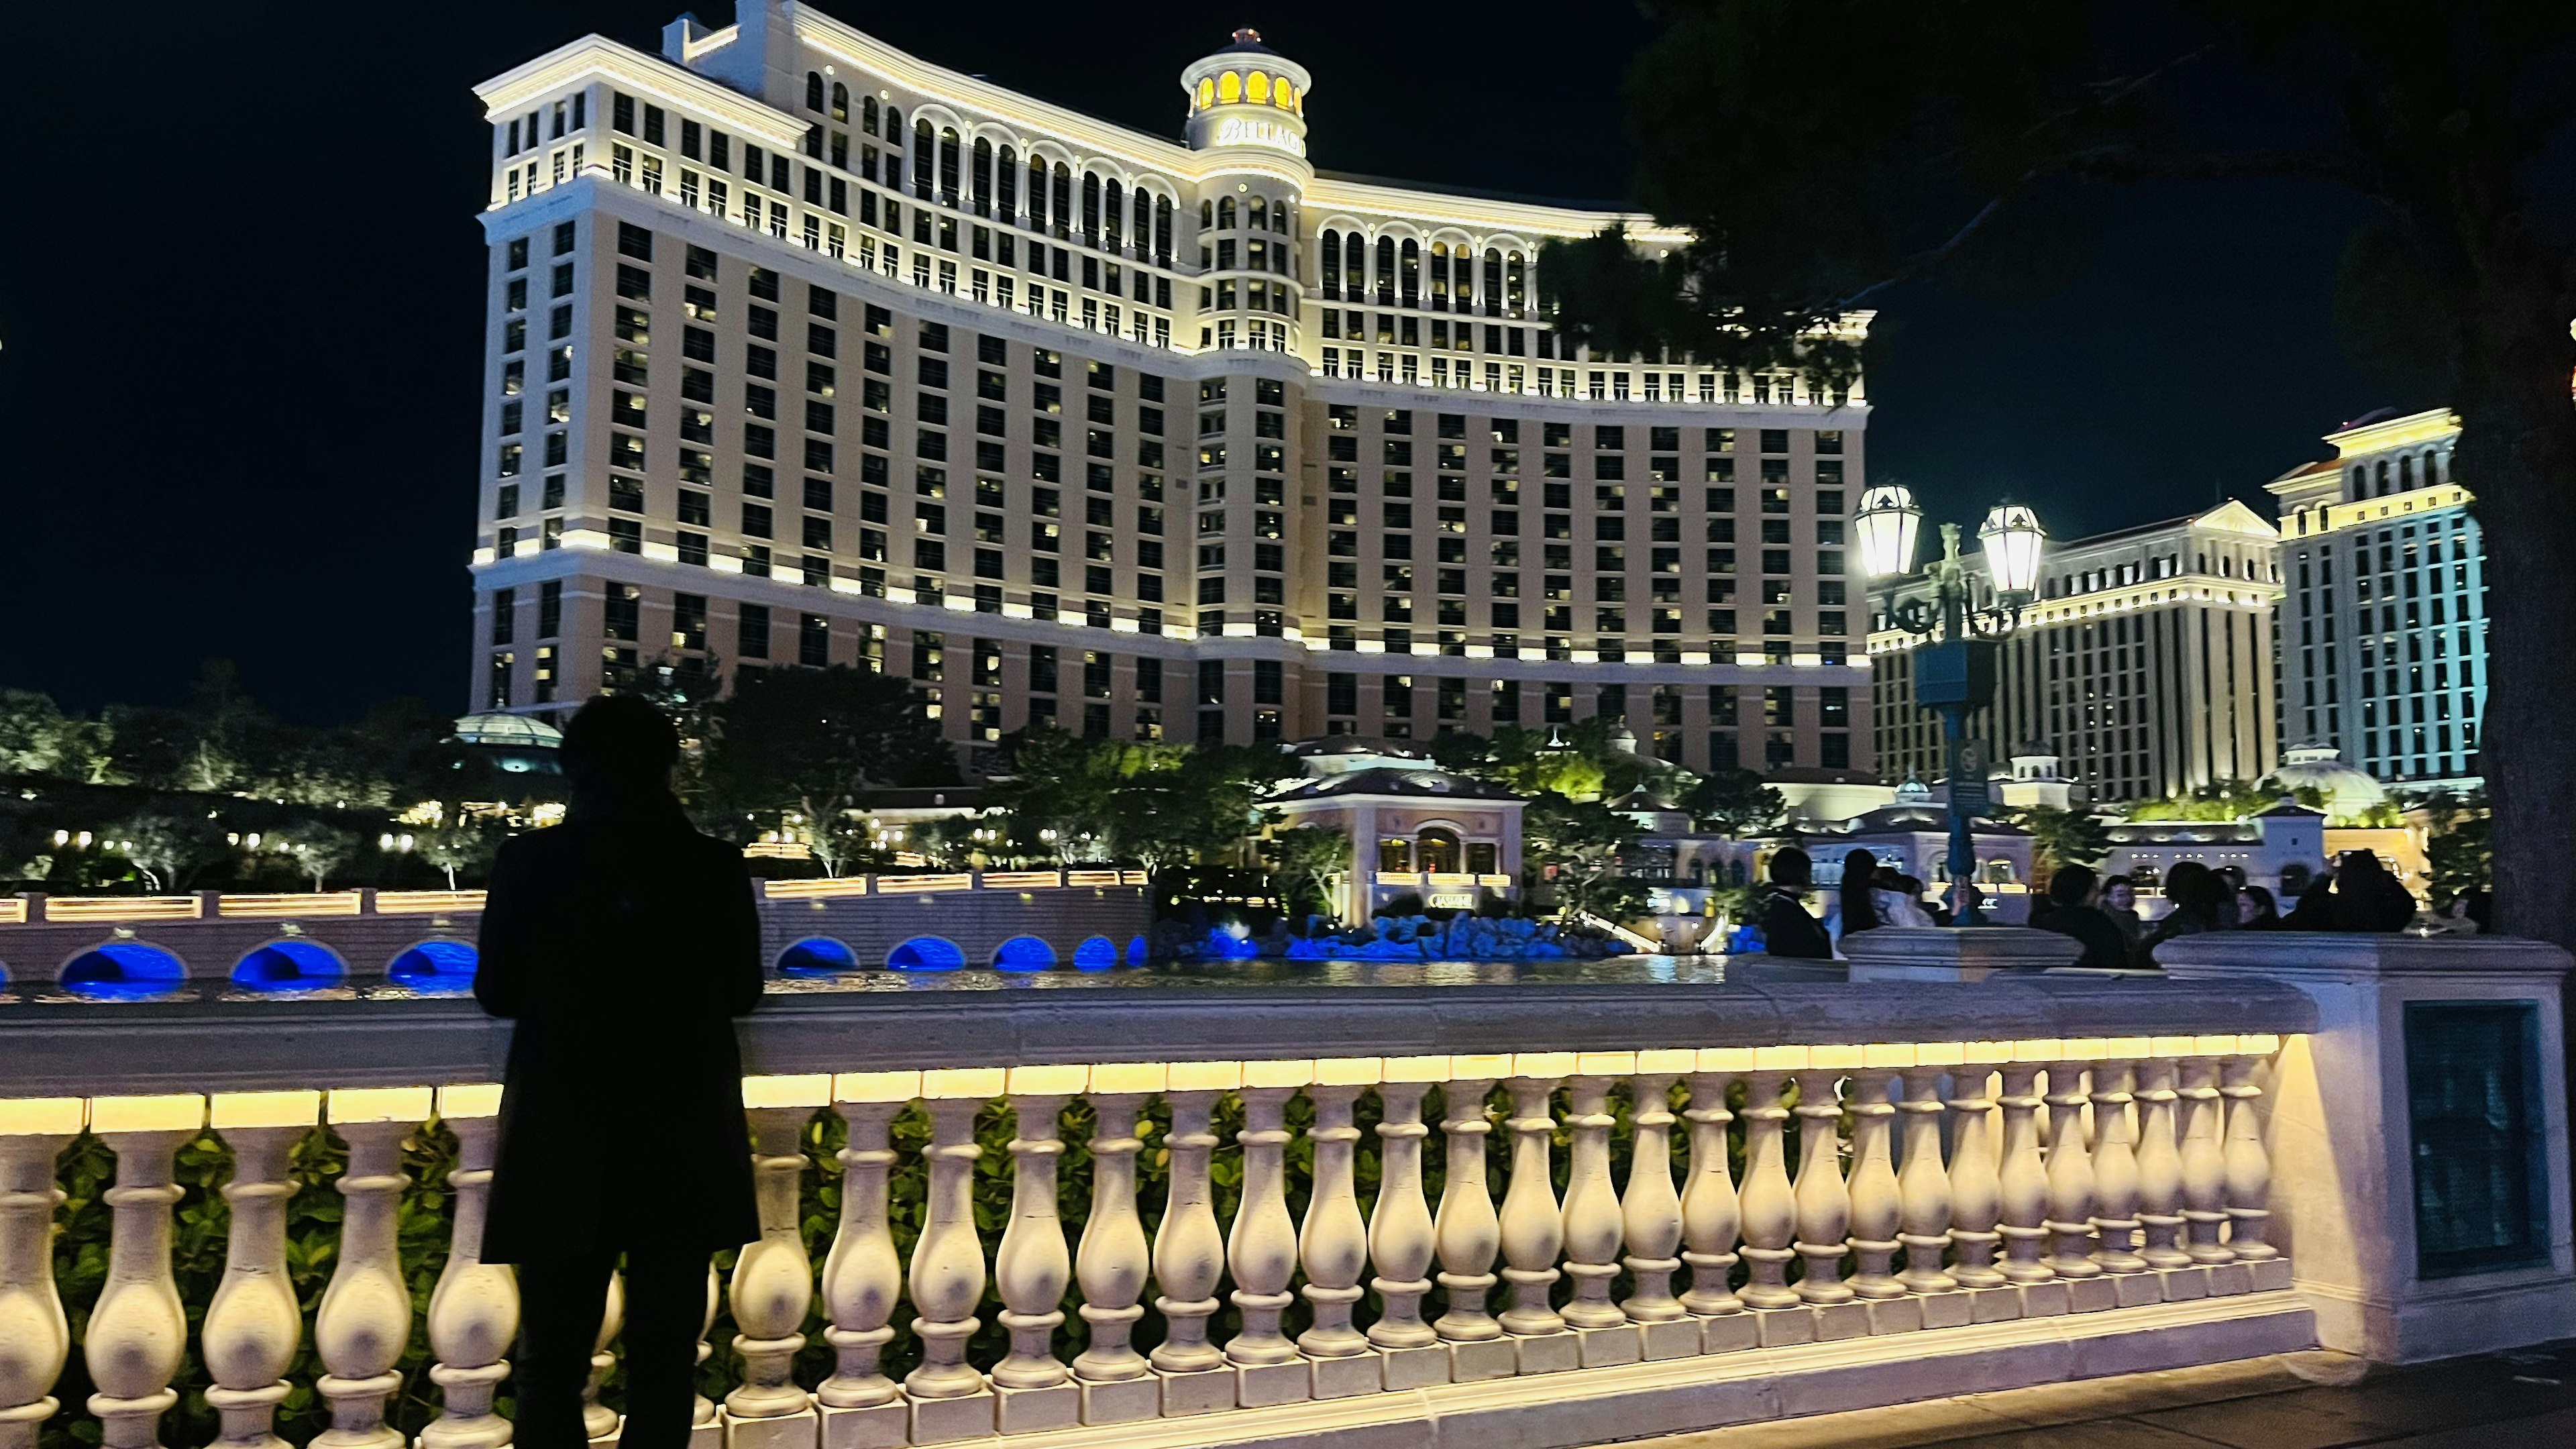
pixel 2520 1400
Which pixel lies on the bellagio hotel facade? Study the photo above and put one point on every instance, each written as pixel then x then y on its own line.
pixel 803 351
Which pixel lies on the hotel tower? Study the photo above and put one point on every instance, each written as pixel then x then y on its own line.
pixel 804 351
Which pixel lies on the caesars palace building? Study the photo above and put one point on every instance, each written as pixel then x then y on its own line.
pixel 803 351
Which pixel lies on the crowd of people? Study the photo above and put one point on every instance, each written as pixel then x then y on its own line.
pixel 2356 894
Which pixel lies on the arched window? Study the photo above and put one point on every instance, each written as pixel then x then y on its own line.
pixel 1412 273
pixel 1163 231
pixel 1514 295
pixel 1256 88
pixel 948 168
pixel 1207 93
pixel 816 956
pixel 894 124
pixel 813 90
pixel 2361 480
pixel 1284 95
pixel 434 966
pixel 1386 271
pixel 2432 469
pixel 2383 477
pixel 1395 853
pixel 1113 216
pixel 1091 208
pixel 1097 953
pixel 1229 88
pixel 1063 199
pixel 1493 282
pixel 840 101
pixel 1257 214
pixel 124 970
pixel 1331 256
pixel 1024 953
pixel 1354 267
pixel 1207 216
pixel 1438 850
pixel 1439 276
pixel 1006 173
pixel 868 114
pixel 1279 218
pixel 926 953
pixel 1141 232
pixel 983 177
pixel 2406 474
pixel 1037 193
pixel 292 963
pixel 1225 213
pixel 923 148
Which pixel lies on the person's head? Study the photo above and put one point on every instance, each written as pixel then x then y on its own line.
pixel 1791 869
pixel 2256 907
pixel 2234 875
pixel 2356 866
pixel 2120 893
pixel 2195 887
pixel 1911 885
pixel 2072 885
pixel 1860 875
pixel 619 747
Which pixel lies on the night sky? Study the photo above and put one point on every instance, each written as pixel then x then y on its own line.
pixel 241 308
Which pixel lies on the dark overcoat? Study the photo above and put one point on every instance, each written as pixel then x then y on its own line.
pixel 623 943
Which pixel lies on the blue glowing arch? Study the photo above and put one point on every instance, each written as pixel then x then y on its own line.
pixel 124 971
pixel 926 953
pixel 289 963
pixel 816 956
pixel 1024 953
pixel 1136 951
pixel 435 966
pixel 1097 954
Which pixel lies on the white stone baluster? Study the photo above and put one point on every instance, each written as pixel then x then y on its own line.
pixel 1114 1381
pixel 597 1419
pixel 773 1276
pixel 1923 1184
pixel 950 1400
pixel 2023 1172
pixel 35 1334
pixel 1710 1217
pixel 1332 1244
pixel 1976 1181
pixel 862 1274
pixel 2160 1155
pixel 1650 1210
pixel 1189 1247
pixel 2204 1164
pixel 2248 1166
pixel 138 1329
pixel 255 1323
pixel 2070 1164
pixel 474 1310
pixel 364 1323
pixel 1400 1232
pixel 1590 1219
pixel 2115 1160
pixel 1261 1248
pixel 1533 1229
pixel 1468 1231
pixel 1823 1199
pixel 706 1421
pixel 1768 1203
pixel 1032 1387
pixel 1877 1204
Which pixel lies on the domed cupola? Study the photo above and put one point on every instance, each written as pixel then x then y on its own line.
pixel 2350 793
pixel 1247 96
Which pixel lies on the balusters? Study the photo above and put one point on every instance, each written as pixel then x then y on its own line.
pixel 474 1310
pixel 1116 1385
pixel 1261 1250
pixel 1976 1181
pixel 1189 1249
pixel 2024 1178
pixel 950 1399
pixel 1589 1220
pixel 1533 1231
pixel 1877 1206
pixel 255 1322
pixel 2115 1159
pixel 1033 1386
pixel 1332 1245
pixel 2160 1157
pixel 364 1322
pixel 35 1335
pixel 1467 1229
pixel 1710 1218
pixel 1401 1236
pixel 1823 1200
pixel 862 1276
pixel 2248 1168
pixel 1770 1208
pixel 2070 1165
pixel 1650 1211
pixel 1922 1186
pixel 599 1421
pixel 138 1329
pixel 2204 1166
pixel 773 1277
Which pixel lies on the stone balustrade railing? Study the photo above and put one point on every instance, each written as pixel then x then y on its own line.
pixel 1753 1178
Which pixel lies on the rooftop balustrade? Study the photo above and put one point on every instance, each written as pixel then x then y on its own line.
pixel 1547 1213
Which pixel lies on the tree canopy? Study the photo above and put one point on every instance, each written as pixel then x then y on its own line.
pixel 812 743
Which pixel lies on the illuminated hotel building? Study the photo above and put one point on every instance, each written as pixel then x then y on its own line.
pixel 805 351
pixel 2144 666
pixel 2384 635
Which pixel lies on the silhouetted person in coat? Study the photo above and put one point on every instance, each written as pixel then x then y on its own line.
pixel 624 944
pixel 1787 929
pixel 2360 895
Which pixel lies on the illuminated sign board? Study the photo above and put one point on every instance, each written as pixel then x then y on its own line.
pixel 1450 901
pixel 1244 131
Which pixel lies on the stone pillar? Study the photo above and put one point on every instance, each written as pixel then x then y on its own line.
pixel 1033 1388
pixel 1189 1247
pixel 256 1323
pixel 1976 1180
pixel 138 1329
pixel 2024 1173
pixel 2160 1155
pixel 1769 1205
pixel 35 1335
pixel 1589 1220
pixel 1332 1244
pixel 950 1400
pixel 773 1277
pixel 1261 1248
pixel 2070 1170
pixel 2416 1041
pixel 1468 1231
pixel 1877 1204
pixel 2115 1161
pixel 474 1310
pixel 1710 1215
pixel 1824 1201
pixel 364 1323
pixel 1401 1238
pixel 1650 1211
pixel 1114 1381
pixel 1923 1186
pixel 862 1276
pixel 1533 1228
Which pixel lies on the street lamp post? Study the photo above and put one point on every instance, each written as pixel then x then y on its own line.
pixel 1954 668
